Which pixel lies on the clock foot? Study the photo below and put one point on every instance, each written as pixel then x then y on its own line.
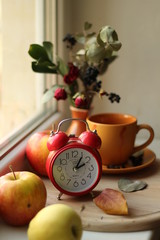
pixel 59 196
pixel 92 194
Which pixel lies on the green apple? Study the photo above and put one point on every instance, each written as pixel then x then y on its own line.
pixel 22 195
pixel 57 221
pixel 37 151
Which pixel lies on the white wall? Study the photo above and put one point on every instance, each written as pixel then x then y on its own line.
pixel 135 75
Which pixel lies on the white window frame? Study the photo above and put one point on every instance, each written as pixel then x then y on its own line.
pixel 14 146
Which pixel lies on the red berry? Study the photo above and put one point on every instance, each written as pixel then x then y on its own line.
pixel 60 94
pixel 57 141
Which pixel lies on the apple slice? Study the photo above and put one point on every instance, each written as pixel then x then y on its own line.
pixel 112 202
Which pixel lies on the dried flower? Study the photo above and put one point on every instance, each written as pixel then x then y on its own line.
pixel 60 94
pixel 80 101
pixel 80 75
pixel 72 74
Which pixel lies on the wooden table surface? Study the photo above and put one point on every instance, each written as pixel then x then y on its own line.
pixel 144 205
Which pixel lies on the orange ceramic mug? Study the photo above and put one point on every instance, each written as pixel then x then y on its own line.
pixel 118 134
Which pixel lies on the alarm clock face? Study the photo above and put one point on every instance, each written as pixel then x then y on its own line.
pixel 76 170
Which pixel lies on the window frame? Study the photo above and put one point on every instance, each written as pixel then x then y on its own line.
pixel 44 120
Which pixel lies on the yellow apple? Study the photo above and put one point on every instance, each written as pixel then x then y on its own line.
pixel 57 221
pixel 37 151
pixel 22 195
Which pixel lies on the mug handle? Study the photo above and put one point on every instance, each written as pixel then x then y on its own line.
pixel 149 140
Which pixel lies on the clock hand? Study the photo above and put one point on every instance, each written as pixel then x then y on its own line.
pixel 83 164
pixel 78 166
pixel 78 163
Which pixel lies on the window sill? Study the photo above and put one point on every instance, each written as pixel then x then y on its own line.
pixel 16 157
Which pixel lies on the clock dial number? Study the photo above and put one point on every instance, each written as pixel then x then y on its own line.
pixel 89 175
pixel 83 181
pixel 74 154
pixel 67 155
pixel 88 159
pixel 63 161
pixel 75 170
pixel 62 177
pixel 91 168
pixel 68 181
pixel 59 169
pixel 75 184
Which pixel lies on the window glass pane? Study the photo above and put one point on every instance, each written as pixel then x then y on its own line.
pixel 21 89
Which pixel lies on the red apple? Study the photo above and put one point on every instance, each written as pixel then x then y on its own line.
pixel 37 151
pixel 22 196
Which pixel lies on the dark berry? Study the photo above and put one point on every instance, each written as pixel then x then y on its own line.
pixel 70 40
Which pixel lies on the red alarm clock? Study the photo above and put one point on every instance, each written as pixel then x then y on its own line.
pixel 74 165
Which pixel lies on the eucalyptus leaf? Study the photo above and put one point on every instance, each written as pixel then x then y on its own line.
pixel 36 51
pixel 108 52
pixel 116 45
pixel 90 41
pixel 128 185
pixel 104 64
pixel 105 33
pixel 49 49
pixel 95 53
pixel 108 35
pixel 89 35
pixel 87 26
pixel 62 67
pixel 99 41
pixel 49 94
pixel 80 38
pixel 112 35
pixel 81 52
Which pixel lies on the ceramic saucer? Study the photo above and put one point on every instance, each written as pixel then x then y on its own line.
pixel 147 159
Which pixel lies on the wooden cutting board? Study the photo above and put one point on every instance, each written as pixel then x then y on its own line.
pixel 144 205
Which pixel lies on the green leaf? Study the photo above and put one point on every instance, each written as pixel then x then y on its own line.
pixel 104 64
pixel 87 26
pixel 49 49
pixel 77 94
pixel 49 94
pixel 36 51
pixel 106 33
pixel 112 35
pixel 128 185
pixel 89 35
pixel 90 41
pixel 116 45
pixel 99 41
pixel 108 51
pixel 44 67
pixel 62 67
pixel 73 88
pixel 80 38
pixel 95 53
pixel 103 34
pixel 81 52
